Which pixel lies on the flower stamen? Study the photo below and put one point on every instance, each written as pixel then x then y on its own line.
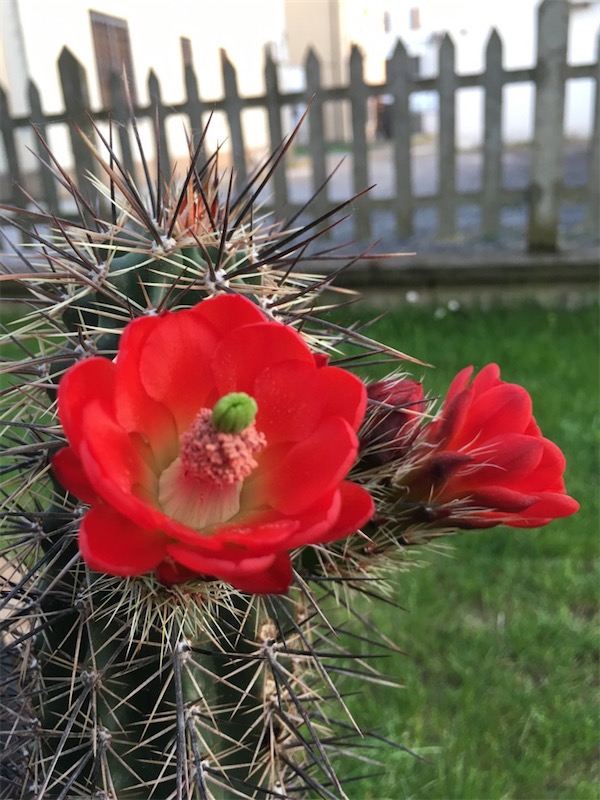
pixel 224 458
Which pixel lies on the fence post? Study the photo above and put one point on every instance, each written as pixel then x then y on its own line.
pixel 316 132
pixel 547 166
pixel 273 101
pixel 233 106
pixel 397 78
pixel 447 139
pixel 73 82
pixel 158 118
pixel 492 136
pixel 358 100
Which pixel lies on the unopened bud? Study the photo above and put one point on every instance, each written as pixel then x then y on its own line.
pixel 396 405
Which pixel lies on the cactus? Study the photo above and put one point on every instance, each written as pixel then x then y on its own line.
pixel 123 687
pixel 183 682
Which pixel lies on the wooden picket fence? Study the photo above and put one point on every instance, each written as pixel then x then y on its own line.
pixel 542 198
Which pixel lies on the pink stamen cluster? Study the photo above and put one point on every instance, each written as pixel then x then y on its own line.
pixel 224 458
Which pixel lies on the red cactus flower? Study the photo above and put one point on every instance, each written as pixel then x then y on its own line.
pixel 485 459
pixel 394 416
pixel 214 444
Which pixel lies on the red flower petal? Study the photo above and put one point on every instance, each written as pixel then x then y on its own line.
pixel 344 395
pixel 112 543
pixel 270 530
pixel 486 379
pixel 169 572
pixel 503 409
pixel 86 381
pixel 174 365
pixel 315 522
pixel 335 516
pixel 447 428
pixel 509 459
pixel 239 568
pixel 549 471
pixel 263 532
pixel 275 580
pixel 499 498
pixel 226 312
pixel 247 351
pixel 312 467
pixel 289 401
pixel 69 472
pixel 459 384
pixel 136 410
pixel 550 506
pixel 115 468
pixel 260 537
pixel 357 508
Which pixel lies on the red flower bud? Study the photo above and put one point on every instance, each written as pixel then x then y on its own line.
pixel 394 413
pixel 485 461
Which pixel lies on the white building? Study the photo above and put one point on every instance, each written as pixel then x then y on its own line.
pixel 144 35
pixel 422 23
pixel 150 34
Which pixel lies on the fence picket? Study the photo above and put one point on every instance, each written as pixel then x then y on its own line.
pixel 492 137
pixel 593 204
pixel 194 105
pixel 158 119
pixel 273 105
pixel 447 85
pixel 546 166
pixel 233 107
pixel 73 82
pixel 120 113
pixel 397 78
pixel 358 100
pixel 7 129
pixel 47 182
pixel 316 132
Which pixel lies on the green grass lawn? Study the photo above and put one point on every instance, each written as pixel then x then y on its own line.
pixel 500 633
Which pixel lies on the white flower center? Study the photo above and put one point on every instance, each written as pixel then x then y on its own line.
pixel 202 486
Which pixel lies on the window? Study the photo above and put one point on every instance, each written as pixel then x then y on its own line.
pixel 415 19
pixel 414 66
pixel 113 53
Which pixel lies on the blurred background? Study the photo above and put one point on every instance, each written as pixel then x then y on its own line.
pixel 474 122
pixel 478 125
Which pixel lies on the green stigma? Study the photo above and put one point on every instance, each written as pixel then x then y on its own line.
pixel 234 412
